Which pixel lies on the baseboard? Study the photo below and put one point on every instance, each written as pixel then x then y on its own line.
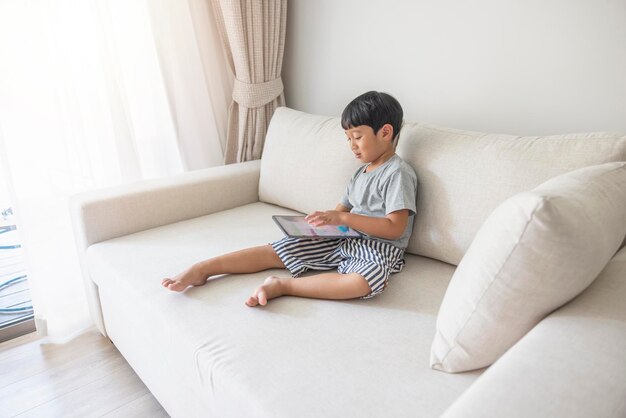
pixel 17 329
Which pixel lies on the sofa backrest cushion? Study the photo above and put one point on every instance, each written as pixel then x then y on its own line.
pixel 462 176
pixel 306 163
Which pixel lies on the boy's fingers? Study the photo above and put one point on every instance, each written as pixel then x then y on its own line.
pixel 314 217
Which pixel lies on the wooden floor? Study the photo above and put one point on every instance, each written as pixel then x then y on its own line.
pixel 87 377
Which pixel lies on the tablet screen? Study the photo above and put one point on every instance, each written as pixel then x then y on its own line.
pixel 296 226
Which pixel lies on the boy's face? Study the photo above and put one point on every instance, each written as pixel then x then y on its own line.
pixel 367 146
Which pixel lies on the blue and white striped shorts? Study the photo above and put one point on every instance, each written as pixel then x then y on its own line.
pixel 372 259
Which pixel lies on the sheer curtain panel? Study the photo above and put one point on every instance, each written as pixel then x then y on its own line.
pixel 95 93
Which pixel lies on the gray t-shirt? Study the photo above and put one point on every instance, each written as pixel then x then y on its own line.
pixel 390 187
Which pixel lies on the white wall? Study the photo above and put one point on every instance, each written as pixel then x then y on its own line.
pixel 522 67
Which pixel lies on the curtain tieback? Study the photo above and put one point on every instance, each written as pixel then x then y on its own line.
pixel 253 95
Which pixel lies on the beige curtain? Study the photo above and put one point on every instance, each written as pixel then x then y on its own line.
pixel 253 32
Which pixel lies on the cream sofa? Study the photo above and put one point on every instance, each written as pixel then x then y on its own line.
pixel 202 352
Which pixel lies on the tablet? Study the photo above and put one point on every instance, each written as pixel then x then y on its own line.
pixel 297 227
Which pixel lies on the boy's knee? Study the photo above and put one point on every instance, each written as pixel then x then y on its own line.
pixel 361 284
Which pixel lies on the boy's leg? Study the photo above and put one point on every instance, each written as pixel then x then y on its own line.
pixel 321 286
pixel 250 260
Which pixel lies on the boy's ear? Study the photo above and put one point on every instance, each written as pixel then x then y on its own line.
pixel 387 131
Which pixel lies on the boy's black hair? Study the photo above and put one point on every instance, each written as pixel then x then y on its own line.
pixel 373 109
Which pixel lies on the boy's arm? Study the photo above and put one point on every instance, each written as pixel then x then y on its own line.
pixel 390 227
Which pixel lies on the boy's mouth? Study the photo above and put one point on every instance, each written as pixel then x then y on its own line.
pixel 358 156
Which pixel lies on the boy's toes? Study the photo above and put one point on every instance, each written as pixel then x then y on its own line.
pixel 270 289
pixel 173 285
pixel 252 301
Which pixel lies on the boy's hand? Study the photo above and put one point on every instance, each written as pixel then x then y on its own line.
pixel 329 217
pixel 390 227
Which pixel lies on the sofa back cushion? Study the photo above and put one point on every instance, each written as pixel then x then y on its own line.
pixel 306 162
pixel 462 176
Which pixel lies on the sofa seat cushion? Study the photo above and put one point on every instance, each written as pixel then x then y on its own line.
pixel 572 364
pixel 294 357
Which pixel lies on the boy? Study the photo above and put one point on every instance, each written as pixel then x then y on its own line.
pixel 379 202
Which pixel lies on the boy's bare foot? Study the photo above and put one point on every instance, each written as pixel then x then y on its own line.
pixel 271 288
pixel 190 277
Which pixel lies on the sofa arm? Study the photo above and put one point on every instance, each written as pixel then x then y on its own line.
pixel 108 213
pixel 572 364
